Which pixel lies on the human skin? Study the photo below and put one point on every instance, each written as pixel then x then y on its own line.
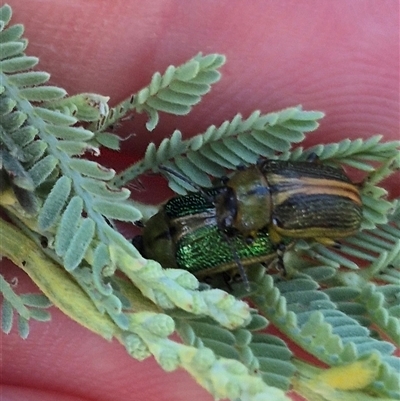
pixel 340 57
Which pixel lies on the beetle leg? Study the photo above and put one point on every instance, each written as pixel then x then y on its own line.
pixel 227 280
pixel 273 233
pixel 260 161
pixel 239 264
pixel 224 180
pixel 313 158
pixel 250 238
pixel 328 242
pixel 137 242
pixel 226 209
pixel 280 251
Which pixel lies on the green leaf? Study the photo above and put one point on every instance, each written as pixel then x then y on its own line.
pixel 29 78
pixel 69 133
pixel 79 244
pixel 118 211
pixel 92 169
pixel 54 203
pixel 7 315
pixel 54 117
pixel 11 49
pixel 42 169
pixel 11 33
pixel 18 64
pixel 5 14
pixel 70 220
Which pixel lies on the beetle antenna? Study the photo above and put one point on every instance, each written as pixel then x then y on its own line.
pixel 182 177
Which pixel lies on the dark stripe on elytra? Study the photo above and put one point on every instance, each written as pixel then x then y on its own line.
pixel 304 169
pixel 329 211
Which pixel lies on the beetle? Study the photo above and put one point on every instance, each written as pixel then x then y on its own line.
pixel 184 234
pixel 292 199
pixel 251 215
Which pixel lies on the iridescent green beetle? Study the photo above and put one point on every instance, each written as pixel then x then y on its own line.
pixel 184 234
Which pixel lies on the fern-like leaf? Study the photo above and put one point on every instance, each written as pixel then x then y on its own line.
pixel 266 354
pixel 175 92
pixel 26 307
pixel 44 138
pixel 233 143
